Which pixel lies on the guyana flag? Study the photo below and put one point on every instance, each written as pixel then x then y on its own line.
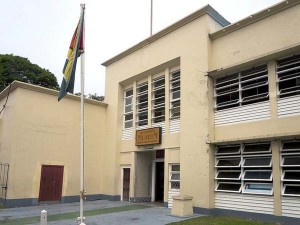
pixel 75 50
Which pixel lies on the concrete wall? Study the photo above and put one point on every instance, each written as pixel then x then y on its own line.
pixel 47 132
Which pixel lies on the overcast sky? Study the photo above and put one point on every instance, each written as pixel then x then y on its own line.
pixel 41 30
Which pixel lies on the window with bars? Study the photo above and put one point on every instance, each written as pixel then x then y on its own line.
pixel 142 104
pixel 175 95
pixel 244 168
pixel 288 76
pixel 175 176
pixel 243 88
pixel 158 99
pixel 128 108
pixel 290 167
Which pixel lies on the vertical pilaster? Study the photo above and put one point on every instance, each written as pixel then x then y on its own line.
pixel 276 177
pixel 272 88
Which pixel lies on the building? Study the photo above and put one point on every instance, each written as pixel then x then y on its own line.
pixel 203 108
pixel 40 145
pixel 227 100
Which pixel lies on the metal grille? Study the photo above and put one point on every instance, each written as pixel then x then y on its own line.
pixel 4 167
pixel 143 177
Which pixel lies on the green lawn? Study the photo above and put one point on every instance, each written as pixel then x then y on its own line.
pixel 208 220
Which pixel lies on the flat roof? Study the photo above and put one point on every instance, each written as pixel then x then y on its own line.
pixel 19 84
pixel 254 18
pixel 205 10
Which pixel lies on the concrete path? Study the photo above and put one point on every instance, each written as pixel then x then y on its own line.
pixel 108 215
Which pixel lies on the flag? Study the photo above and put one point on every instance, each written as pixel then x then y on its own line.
pixel 75 50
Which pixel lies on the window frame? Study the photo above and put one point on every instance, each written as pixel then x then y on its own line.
pixel 171 172
pixel 258 192
pixel 173 101
pixel 238 81
pixel 124 109
pixel 140 111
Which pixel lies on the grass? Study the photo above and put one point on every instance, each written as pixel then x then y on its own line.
pixel 72 215
pixel 208 220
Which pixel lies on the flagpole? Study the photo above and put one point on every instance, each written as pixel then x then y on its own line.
pixel 151 17
pixel 81 218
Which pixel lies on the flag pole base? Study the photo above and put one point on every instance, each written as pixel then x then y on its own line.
pixel 81 221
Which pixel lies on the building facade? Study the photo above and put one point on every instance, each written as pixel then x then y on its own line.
pixel 203 108
pixel 226 100
pixel 40 146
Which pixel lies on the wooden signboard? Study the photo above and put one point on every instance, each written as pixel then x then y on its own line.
pixel 149 136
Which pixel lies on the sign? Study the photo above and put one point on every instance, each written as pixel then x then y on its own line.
pixel 149 136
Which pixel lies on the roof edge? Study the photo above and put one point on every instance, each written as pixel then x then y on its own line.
pixel 204 10
pixel 18 84
pixel 254 18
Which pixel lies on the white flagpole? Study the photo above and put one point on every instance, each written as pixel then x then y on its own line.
pixel 81 218
pixel 151 17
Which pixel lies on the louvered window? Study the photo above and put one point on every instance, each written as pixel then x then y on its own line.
pixel 288 76
pixel 142 104
pixel 290 167
pixel 128 108
pixel 175 176
pixel 158 99
pixel 244 168
pixel 175 95
pixel 243 88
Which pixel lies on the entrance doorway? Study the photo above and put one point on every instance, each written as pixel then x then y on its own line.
pixel 51 183
pixel 159 181
pixel 126 184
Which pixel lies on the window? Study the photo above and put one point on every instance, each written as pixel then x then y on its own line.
pixel 244 168
pixel 142 104
pixel 258 188
pixel 175 176
pixel 128 108
pixel 175 95
pixel 290 167
pixel 158 99
pixel 243 88
pixel 288 76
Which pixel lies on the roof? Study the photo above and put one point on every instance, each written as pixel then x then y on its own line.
pixel 19 84
pixel 254 18
pixel 205 10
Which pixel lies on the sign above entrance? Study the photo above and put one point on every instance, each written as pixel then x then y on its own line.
pixel 149 136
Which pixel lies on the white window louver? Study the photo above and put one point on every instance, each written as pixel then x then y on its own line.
pixel 244 168
pixel 142 104
pixel 243 88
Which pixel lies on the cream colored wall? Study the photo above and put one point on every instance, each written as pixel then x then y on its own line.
pixel 259 39
pixel 48 132
pixel 8 126
pixel 190 43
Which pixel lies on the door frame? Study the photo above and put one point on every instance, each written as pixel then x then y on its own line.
pixel 154 177
pixel 122 179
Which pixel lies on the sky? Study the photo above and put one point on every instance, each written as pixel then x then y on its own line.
pixel 41 30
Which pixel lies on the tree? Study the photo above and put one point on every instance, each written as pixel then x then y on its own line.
pixel 95 96
pixel 21 69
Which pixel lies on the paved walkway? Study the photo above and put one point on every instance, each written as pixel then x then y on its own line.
pixel 97 212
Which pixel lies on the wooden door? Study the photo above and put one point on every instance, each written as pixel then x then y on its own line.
pixel 126 183
pixel 51 183
pixel 159 181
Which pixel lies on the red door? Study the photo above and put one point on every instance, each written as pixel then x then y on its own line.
pixel 126 183
pixel 51 183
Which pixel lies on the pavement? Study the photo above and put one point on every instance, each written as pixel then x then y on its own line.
pixel 96 212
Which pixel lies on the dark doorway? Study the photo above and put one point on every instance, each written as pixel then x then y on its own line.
pixel 51 183
pixel 159 182
pixel 126 183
